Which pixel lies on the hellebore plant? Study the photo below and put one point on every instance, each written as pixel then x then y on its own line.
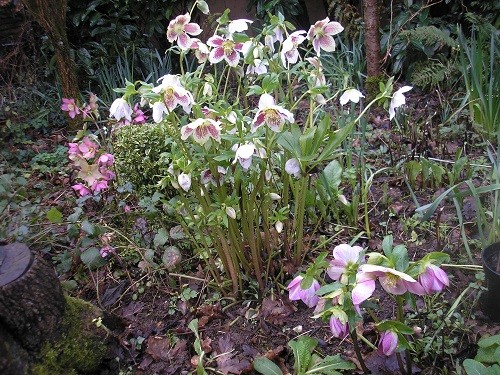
pixel 240 162
pixel 93 164
pixel 353 275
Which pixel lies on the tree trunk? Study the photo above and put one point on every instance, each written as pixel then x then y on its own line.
pixel 372 37
pixel 51 15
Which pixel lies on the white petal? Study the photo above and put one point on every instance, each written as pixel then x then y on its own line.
pixel 158 110
pixel 266 101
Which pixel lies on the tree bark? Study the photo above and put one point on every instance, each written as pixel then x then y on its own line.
pixel 51 15
pixel 371 17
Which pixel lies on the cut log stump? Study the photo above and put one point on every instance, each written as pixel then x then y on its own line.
pixel 31 298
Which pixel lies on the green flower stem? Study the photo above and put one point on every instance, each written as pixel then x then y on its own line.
pixel 401 318
pixel 354 338
pixel 235 276
pixel 300 199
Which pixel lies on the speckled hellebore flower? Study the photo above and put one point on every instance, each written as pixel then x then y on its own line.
pixel 388 343
pixel 173 94
pixel 344 257
pixel 69 105
pixel 398 99
pixel 200 50
pixel 274 116
pixel 351 95
pixel 308 296
pixel 289 51
pixel 433 279
pixel 224 49
pixel 121 109
pixel 202 130
pixel 179 28
pixel 321 35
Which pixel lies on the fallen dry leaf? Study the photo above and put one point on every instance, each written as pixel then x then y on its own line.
pixel 276 311
pixel 227 361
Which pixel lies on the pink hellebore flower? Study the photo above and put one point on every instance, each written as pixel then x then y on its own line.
pixel 394 282
pixel 107 174
pixel 307 296
pixel 179 28
pixel 106 160
pixel 202 130
pixel 398 99
pixel 88 148
pixel 289 51
pixel 120 109
pixel 99 185
pixel 73 151
pixel 224 49
pixel 106 250
pixel 388 343
pixel 317 73
pixel 69 105
pixel 321 35
pixel 81 189
pixel 344 256
pixel 244 155
pixel 433 279
pixel 271 114
pixel 174 94
pixel 351 95
pixel 139 116
pixel 339 329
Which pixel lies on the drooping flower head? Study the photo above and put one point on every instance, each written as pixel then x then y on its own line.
pixel 308 296
pixel 244 155
pixel 289 49
pixel 224 49
pixel 317 73
pixel 184 180
pixel 120 109
pixel 321 35
pixel 292 166
pixel 202 130
pixel 69 105
pixel 81 189
pixel 398 99
pixel 274 116
pixel 200 50
pixel 239 25
pixel 350 95
pixel 173 94
pixel 433 279
pixel 179 28
pixel 339 329
pixel 275 36
pixel 106 160
pixel 393 281
pixel 388 343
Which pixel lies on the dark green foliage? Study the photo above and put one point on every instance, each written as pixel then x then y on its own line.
pixel 137 151
pixel 290 9
pixel 345 12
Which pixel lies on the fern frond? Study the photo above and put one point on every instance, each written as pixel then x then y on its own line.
pixel 430 36
pixel 431 72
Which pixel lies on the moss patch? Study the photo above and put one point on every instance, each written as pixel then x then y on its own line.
pixel 80 347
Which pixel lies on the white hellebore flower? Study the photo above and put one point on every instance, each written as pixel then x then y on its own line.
pixel 119 109
pixel 184 181
pixel 237 26
pixel 244 155
pixel 289 51
pixel 398 99
pixel 352 95
pixel 292 166
pixel 231 212
pixel 274 116
pixel 159 109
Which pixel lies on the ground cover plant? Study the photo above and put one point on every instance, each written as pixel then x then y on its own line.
pixel 200 206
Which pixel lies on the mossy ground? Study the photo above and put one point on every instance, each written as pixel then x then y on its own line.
pixel 80 348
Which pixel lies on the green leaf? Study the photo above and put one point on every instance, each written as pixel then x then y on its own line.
pixel 473 367
pixel 332 175
pixel 331 363
pixel 54 215
pixel 387 245
pixel 394 326
pixel 92 258
pixel 489 341
pixel 265 366
pixel 203 7
pixel 87 227
pixel 161 237
pixel 399 257
pixel 302 349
